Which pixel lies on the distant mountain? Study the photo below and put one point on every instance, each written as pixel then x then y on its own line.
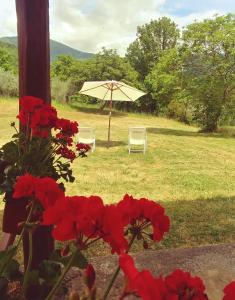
pixel 56 48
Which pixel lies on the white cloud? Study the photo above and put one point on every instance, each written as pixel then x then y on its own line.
pixel 109 23
pixel 7 18
pixel 190 18
pixel 113 23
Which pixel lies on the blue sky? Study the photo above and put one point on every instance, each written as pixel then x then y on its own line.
pixel 186 7
pixel 89 25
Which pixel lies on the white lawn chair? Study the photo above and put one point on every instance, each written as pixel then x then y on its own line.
pixel 86 135
pixel 137 139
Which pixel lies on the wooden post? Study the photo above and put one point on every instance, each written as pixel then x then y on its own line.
pixel 110 113
pixel 34 80
pixel 33 47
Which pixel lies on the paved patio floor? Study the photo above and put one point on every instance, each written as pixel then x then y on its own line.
pixel 215 264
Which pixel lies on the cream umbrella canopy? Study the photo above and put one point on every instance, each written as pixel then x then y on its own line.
pixel 110 91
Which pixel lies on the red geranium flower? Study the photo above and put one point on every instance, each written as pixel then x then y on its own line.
pixel 66 140
pixel 142 283
pixel 67 127
pixel 43 120
pixel 85 219
pixel 177 286
pixel 229 291
pixel 73 215
pixel 83 147
pixel 24 186
pixel 28 105
pixel 45 190
pixel 139 214
pixel 112 228
pixel 186 287
pixel 66 153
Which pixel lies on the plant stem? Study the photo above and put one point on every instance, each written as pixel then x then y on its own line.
pixel 110 285
pixel 57 284
pixel 26 222
pixel 26 275
pixel 19 240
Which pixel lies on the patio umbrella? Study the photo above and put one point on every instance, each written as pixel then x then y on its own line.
pixel 110 91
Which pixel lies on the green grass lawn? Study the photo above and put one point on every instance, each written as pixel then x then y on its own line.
pixel 191 174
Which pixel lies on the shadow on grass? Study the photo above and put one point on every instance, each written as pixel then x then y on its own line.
pixel 199 222
pixel 96 110
pixel 102 143
pixel 193 223
pixel 177 132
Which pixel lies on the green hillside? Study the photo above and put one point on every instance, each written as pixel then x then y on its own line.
pixel 56 48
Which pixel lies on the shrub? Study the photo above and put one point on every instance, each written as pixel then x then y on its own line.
pixel 179 111
pixel 8 84
pixel 61 90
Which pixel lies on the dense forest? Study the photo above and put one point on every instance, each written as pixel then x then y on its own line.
pixel 188 74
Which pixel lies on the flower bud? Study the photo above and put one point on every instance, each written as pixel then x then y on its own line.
pixel 145 245
pixel 65 251
pixel 74 296
pixel 89 276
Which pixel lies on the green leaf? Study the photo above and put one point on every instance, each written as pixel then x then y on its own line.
pixel 49 270
pixel 79 260
pixel 10 152
pixel 32 278
pixel 56 257
pixel 16 136
pixel 12 270
pixel 6 255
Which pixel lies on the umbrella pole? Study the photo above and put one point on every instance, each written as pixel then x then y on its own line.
pixel 110 113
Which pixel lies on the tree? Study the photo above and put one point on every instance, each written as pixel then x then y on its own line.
pixel 106 65
pixel 209 60
pixel 63 67
pixel 8 59
pixel 151 42
pixel 164 80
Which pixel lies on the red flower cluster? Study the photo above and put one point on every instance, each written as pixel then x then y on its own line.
pixel 141 283
pixel 177 286
pixel 142 213
pixel 67 130
pixel 85 219
pixel 65 140
pixel 38 116
pixel 41 118
pixel 28 105
pixel 66 127
pixel 44 119
pixel 45 190
pixel 66 153
pixel 229 291
pixel 183 285
pixel 83 147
